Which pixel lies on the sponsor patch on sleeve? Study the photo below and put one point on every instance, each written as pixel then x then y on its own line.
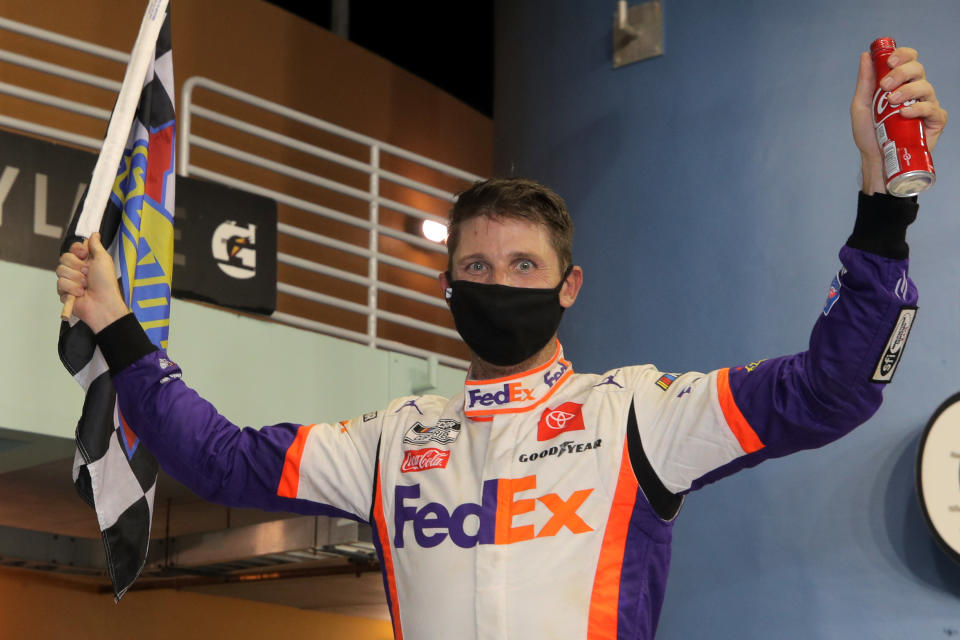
pixel 750 368
pixel 666 380
pixel 833 294
pixel 893 350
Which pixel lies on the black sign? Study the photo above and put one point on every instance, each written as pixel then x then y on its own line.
pixel 225 239
pixel 40 186
pixel 227 251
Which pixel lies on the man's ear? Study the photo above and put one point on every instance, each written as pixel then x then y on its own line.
pixel 444 285
pixel 571 287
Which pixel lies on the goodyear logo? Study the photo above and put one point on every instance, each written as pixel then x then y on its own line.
pixel 509 511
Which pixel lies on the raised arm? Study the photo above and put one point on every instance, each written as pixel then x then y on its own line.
pixel 724 421
pixel 192 441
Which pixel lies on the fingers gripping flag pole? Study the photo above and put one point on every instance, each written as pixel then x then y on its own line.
pixel 130 202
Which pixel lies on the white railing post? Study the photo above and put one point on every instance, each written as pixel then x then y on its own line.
pixel 186 102
pixel 374 244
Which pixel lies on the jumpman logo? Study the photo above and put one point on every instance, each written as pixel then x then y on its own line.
pixel 410 403
pixel 610 380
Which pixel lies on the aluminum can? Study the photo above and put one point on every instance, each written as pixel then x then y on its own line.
pixel 907 164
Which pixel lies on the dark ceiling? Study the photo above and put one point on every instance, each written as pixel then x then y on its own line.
pixel 449 44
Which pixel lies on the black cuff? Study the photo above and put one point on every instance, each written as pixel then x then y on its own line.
pixel 123 342
pixel 881 226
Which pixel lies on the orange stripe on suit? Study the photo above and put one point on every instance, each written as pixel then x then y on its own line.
pixel 379 521
pixel 290 477
pixel 604 601
pixel 746 436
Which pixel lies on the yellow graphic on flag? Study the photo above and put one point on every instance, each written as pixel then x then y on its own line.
pixel 145 258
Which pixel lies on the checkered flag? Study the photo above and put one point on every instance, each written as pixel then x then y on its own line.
pixel 130 202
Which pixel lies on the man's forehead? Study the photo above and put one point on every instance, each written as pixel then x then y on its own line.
pixel 502 234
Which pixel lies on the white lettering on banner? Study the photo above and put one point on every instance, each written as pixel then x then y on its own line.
pixel 7 178
pixel 76 201
pixel 40 225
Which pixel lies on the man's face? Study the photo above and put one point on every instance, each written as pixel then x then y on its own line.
pixel 505 251
pixel 512 252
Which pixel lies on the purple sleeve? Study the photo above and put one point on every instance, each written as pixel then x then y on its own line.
pixel 192 442
pixel 812 398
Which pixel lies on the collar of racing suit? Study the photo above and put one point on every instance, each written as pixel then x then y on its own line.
pixel 483 399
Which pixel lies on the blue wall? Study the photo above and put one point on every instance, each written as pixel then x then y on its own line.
pixel 712 188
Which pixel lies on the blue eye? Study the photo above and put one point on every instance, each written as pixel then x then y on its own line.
pixel 525 265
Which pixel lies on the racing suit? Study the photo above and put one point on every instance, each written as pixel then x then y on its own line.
pixel 540 505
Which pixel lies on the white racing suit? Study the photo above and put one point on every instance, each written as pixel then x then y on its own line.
pixel 540 505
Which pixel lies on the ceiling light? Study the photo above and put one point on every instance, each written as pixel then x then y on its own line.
pixel 434 231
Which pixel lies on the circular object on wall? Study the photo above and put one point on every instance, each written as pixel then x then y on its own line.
pixel 938 475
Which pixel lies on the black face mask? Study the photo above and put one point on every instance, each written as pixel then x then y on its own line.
pixel 504 325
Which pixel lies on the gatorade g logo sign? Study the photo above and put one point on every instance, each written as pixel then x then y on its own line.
pixel 511 392
pixel 502 517
pixel 234 249
pixel 566 417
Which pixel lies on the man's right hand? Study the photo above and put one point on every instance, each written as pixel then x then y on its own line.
pixel 88 275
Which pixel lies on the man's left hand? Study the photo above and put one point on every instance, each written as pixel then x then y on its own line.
pixel 907 80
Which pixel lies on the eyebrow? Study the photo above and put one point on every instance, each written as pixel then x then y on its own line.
pixel 519 255
pixel 472 257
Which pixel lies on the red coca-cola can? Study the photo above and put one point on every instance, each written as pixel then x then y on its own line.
pixel 907 164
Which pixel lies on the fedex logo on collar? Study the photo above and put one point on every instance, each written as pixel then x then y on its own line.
pixel 501 517
pixel 511 392
pixel 550 377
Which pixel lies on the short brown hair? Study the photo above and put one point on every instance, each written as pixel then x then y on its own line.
pixel 516 198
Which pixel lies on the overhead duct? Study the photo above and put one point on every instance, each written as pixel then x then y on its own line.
pixel 294 547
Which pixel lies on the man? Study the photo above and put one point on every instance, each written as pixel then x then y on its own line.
pixel 539 503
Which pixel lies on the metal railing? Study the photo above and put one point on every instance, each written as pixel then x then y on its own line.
pixel 368 168
pixel 42 66
pixel 376 175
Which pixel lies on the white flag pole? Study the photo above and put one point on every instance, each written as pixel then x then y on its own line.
pixel 118 130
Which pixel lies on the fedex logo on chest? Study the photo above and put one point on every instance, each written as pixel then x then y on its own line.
pixel 510 392
pixel 508 512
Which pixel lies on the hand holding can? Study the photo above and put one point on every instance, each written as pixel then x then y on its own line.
pixel 907 163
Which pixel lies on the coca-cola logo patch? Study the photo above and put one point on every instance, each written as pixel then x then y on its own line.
pixel 567 417
pixel 423 459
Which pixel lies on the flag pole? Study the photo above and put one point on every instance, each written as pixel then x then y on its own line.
pixel 118 130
